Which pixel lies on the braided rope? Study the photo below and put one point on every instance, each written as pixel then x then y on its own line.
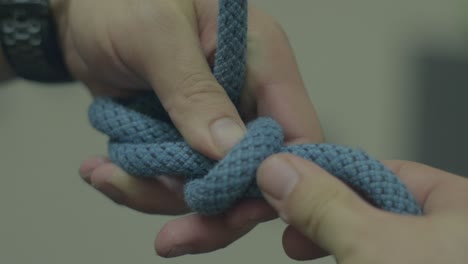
pixel 144 142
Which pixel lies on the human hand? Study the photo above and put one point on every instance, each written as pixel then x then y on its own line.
pixel 167 46
pixel 116 47
pixel 325 216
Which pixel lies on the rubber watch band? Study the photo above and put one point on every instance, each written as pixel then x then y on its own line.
pixel 29 41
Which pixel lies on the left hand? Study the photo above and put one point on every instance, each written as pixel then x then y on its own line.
pixel 274 88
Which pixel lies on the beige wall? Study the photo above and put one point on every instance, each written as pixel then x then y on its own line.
pixel 365 64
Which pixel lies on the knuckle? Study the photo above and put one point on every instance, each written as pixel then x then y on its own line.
pixel 269 26
pixel 276 27
pixel 321 208
pixel 164 16
pixel 320 218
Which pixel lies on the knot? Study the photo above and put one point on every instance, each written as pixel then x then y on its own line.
pixel 144 143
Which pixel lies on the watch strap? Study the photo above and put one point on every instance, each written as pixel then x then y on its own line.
pixel 29 41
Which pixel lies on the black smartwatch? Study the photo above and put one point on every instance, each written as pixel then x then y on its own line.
pixel 29 41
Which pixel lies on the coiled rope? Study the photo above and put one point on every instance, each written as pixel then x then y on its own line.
pixel 145 143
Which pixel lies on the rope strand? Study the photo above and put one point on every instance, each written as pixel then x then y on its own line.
pixel 145 143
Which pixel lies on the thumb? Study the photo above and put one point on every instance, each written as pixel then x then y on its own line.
pixel 197 104
pixel 204 115
pixel 179 73
pixel 317 204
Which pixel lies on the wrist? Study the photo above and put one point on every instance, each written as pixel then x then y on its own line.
pixel 58 9
pixel 6 72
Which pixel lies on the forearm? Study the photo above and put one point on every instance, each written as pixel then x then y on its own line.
pixel 6 72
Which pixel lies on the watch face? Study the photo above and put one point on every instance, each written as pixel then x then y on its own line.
pixel 29 41
pixel 22 9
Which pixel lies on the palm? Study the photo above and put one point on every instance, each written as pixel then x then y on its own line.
pixel 132 49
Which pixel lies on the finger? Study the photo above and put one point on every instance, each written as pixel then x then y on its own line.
pixel 161 196
pixel 277 83
pixel 249 212
pixel 195 234
pixel 299 247
pixel 434 189
pixel 317 204
pixel 179 73
pixel 89 165
pixel 274 86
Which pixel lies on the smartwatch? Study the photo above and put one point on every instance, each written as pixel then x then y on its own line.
pixel 29 41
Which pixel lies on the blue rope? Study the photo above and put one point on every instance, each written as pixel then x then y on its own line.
pixel 145 143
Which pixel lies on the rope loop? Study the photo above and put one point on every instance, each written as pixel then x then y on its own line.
pixel 145 143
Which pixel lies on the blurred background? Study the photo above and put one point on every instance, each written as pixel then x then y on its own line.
pixel 390 77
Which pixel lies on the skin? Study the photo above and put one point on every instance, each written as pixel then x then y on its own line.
pixel 167 46
pixel 326 217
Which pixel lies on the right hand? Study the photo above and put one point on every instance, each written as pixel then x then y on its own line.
pixel 327 217
pixel 117 47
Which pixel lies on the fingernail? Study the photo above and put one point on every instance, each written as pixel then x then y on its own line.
pixel 86 172
pixel 86 175
pixel 226 134
pixel 179 251
pixel 172 183
pixel 88 166
pixel 277 178
pixel 175 185
pixel 112 192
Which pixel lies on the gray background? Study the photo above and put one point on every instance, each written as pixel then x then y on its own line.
pixel 386 76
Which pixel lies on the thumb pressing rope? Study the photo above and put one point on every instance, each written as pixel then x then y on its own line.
pixel 145 143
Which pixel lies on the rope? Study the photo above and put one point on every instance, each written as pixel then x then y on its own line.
pixel 145 143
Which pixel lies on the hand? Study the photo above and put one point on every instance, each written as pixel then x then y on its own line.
pixel 167 45
pixel 325 216
pixel 116 47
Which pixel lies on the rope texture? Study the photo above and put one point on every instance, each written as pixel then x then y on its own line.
pixel 145 143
